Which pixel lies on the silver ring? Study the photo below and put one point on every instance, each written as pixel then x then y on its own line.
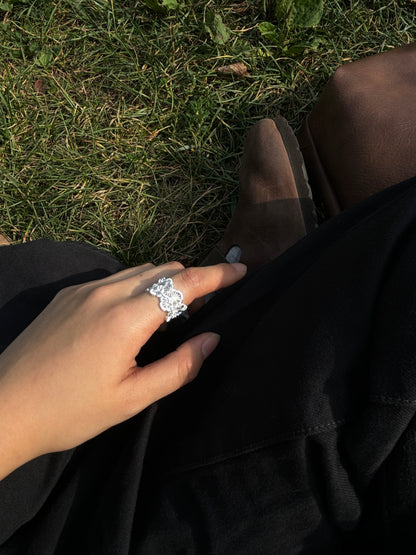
pixel 170 299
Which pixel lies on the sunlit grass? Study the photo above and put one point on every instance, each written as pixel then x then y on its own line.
pixel 133 140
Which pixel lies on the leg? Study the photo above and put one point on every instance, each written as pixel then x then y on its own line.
pixel 289 435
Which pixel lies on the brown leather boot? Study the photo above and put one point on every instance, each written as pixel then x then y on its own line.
pixel 360 137
pixel 275 207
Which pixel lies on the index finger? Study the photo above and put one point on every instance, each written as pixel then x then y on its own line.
pixel 192 282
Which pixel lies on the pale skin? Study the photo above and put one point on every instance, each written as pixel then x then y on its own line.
pixel 72 373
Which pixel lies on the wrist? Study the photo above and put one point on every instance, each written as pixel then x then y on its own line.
pixel 17 443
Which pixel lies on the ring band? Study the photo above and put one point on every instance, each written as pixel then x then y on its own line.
pixel 170 299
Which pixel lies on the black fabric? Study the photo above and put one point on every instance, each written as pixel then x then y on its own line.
pixel 298 436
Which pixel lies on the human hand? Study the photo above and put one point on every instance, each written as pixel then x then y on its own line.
pixel 71 374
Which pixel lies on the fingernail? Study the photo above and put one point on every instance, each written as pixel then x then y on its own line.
pixel 209 344
pixel 239 266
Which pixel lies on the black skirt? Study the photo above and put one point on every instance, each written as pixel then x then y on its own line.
pixel 297 436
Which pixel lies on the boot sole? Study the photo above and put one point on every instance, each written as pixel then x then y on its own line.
pixel 300 174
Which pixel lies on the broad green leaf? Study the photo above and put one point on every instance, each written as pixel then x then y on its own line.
pixel 269 32
pixel 295 49
pixel 170 4
pixel 44 58
pixel 216 28
pixel 4 6
pixel 317 42
pixel 301 13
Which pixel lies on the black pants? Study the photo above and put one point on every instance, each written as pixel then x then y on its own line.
pixel 298 436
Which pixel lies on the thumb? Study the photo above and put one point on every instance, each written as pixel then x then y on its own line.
pixel 164 376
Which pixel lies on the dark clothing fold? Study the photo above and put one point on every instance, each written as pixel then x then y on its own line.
pixel 297 436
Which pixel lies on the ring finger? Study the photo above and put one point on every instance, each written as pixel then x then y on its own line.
pixel 193 282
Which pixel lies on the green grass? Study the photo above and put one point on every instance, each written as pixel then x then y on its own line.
pixel 134 144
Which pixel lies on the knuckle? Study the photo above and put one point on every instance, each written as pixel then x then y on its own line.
pixel 64 292
pixel 184 370
pixel 97 295
pixel 72 291
pixel 175 265
pixel 191 277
